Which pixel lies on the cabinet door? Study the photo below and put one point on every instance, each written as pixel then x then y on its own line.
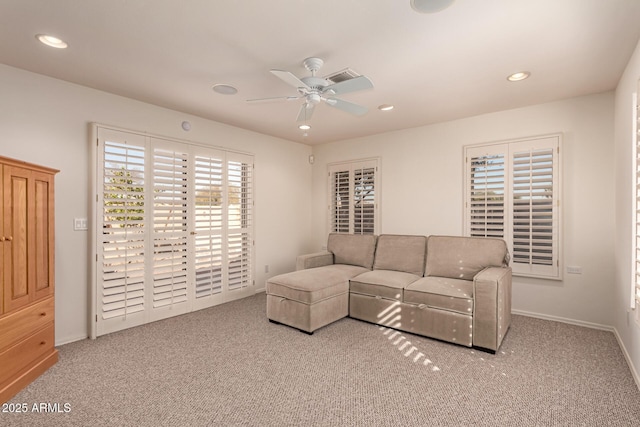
pixel 41 247
pixel 17 291
pixel 2 243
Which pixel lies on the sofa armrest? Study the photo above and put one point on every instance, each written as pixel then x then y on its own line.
pixel 318 259
pixel 492 307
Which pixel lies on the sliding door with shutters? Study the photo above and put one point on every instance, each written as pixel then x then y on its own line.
pixel 512 191
pixel 173 228
pixel 170 198
pixel 122 231
pixel 239 224
pixel 208 225
pixel 223 226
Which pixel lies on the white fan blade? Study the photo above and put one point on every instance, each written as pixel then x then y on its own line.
pixel 306 111
pixel 351 85
pixel 289 78
pixel 349 107
pixel 277 98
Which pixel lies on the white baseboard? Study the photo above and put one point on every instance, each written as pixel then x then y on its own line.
pixel 591 325
pixel 564 320
pixel 627 357
pixel 69 340
pixel 260 290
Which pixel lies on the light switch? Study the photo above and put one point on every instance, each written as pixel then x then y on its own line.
pixel 79 224
pixel 574 270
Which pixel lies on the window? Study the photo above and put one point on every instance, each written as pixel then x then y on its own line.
pixel 354 194
pixel 635 298
pixel 173 228
pixel 512 191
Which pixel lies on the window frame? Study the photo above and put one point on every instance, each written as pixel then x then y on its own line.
pixel 635 207
pixel 349 169
pixel 548 217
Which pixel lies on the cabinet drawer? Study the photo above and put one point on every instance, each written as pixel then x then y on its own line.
pixel 16 326
pixel 26 352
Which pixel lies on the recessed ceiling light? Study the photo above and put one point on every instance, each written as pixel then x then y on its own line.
pixel 51 41
pixel 224 89
pixel 430 6
pixel 520 75
pixel 304 127
pixel 385 107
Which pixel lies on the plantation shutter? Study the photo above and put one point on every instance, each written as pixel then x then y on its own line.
pixel 170 278
pixel 534 207
pixel 364 198
pixel 209 190
pixel 240 222
pixel 486 193
pixel 340 201
pixel 636 293
pixel 353 197
pixel 174 228
pixel 512 191
pixel 122 245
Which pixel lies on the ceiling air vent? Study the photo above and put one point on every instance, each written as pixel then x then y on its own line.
pixel 340 76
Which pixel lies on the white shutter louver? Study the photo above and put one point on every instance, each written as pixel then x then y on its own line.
pixel 123 230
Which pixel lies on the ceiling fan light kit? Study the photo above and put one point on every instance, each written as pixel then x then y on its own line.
pixel 316 90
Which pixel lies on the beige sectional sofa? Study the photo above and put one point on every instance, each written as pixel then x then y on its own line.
pixel 455 289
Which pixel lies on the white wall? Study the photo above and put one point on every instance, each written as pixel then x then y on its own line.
pixel 623 318
pixel 422 192
pixel 46 121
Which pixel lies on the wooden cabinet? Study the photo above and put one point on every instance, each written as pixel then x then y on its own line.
pixel 27 275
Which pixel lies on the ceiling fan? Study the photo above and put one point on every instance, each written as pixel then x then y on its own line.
pixel 315 90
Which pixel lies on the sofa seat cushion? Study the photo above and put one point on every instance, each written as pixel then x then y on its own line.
pixel 314 284
pixel 442 293
pixel 382 283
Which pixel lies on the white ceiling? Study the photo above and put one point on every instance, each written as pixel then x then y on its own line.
pixel 432 67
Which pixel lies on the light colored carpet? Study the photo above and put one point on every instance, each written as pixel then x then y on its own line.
pixel 228 366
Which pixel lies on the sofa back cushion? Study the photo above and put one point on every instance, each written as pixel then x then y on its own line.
pixel 401 253
pixel 352 249
pixel 463 257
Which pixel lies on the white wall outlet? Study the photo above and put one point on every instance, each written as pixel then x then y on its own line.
pixel 80 224
pixel 574 270
pixel 266 268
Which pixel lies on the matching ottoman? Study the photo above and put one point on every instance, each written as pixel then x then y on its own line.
pixel 318 292
pixel 310 299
